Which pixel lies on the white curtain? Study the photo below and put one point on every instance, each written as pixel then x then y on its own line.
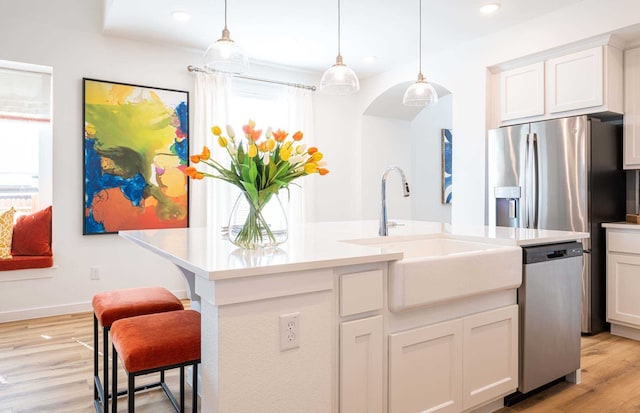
pixel 300 117
pixel 212 198
pixel 211 201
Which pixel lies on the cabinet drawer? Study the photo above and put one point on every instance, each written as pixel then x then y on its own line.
pixel 623 242
pixel 360 292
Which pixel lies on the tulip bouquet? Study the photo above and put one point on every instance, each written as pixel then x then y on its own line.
pixel 259 168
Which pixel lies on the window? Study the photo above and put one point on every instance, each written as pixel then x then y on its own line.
pixel 25 137
pixel 264 103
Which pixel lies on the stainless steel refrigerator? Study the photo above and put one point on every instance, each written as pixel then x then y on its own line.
pixel 562 174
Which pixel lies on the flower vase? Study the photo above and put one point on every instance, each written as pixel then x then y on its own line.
pixel 258 225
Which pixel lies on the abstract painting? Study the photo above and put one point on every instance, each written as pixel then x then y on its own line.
pixel 447 146
pixel 136 146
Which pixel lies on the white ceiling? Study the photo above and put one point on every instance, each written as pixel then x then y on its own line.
pixel 303 33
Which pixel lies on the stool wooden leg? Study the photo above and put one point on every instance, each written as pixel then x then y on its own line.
pixel 194 402
pixel 97 401
pixel 105 362
pixel 181 389
pixel 114 392
pixel 132 393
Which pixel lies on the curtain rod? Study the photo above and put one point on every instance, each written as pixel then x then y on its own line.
pixel 192 68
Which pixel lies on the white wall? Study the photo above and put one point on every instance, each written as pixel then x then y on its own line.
pixel 426 162
pixel 66 35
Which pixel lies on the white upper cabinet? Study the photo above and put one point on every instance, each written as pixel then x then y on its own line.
pixel 583 82
pixel 522 92
pixel 632 109
pixel 575 81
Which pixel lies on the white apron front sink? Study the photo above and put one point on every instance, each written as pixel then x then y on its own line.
pixel 441 268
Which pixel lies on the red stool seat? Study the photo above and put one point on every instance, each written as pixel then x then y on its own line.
pixel 110 306
pixel 154 343
pixel 151 341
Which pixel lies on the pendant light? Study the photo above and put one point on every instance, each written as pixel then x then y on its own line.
pixel 420 93
pixel 225 55
pixel 339 79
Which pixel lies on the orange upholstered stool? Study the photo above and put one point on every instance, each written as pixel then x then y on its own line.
pixel 155 343
pixel 110 306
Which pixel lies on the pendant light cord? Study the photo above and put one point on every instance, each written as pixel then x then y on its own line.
pixel 420 38
pixel 338 27
pixel 225 14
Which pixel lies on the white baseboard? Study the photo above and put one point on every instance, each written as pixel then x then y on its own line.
pixel 49 311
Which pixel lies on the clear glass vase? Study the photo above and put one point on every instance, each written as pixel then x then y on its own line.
pixel 254 226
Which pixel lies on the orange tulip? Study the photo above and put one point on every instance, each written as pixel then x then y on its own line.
pixel 312 150
pixel 195 158
pixel 297 136
pixel 323 171
pixel 280 135
pixel 206 154
pixel 190 171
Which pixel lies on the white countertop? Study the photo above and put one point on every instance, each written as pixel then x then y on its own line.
pixel 316 245
pixel 621 225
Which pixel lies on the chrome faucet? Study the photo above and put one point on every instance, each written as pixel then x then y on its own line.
pixel 384 230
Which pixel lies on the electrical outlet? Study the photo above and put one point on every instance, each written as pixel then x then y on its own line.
pixel 95 273
pixel 289 331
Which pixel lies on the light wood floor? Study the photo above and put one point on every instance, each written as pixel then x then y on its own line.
pixel 46 365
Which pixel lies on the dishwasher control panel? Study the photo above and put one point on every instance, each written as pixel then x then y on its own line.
pixel 544 253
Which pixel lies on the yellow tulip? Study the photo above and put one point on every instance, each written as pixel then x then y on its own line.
pixel 285 153
pixel 317 156
pixel 253 150
pixel 271 144
pixel 216 131
pixel 310 168
pixel 222 141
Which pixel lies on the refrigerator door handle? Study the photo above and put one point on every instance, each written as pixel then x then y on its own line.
pixel 528 183
pixel 525 220
pixel 535 180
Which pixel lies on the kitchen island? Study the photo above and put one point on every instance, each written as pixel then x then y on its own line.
pixel 339 319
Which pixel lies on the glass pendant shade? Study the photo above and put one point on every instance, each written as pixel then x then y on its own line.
pixel 226 56
pixel 339 79
pixel 420 93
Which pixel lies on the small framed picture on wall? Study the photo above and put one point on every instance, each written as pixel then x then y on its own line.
pixel 447 146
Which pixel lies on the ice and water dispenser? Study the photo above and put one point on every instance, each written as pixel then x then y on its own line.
pixel 507 201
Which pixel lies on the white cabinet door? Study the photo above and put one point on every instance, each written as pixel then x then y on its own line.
pixel 425 369
pixel 575 81
pixel 623 285
pixel 361 372
pixel 490 346
pixel 522 92
pixel 632 109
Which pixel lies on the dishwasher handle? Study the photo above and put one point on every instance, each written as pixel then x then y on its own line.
pixel 551 252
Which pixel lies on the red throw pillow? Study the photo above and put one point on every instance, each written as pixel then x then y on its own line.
pixel 32 234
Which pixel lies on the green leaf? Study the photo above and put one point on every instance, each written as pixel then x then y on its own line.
pixel 253 172
pixel 252 191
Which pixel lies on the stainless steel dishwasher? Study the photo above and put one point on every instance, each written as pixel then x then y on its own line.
pixel 550 299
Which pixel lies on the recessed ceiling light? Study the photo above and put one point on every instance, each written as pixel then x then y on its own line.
pixel 489 8
pixel 369 59
pixel 181 16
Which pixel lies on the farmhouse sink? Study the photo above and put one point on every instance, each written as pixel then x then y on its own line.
pixel 441 268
